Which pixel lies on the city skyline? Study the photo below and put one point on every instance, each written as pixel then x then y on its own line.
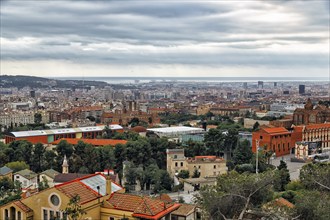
pixel 155 39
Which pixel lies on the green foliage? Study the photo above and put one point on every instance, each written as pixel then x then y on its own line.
pixel 42 185
pixel 243 153
pixel 74 209
pixel 236 193
pixel 17 166
pixel 196 174
pixel 9 190
pixel 242 168
pixel 316 176
pixel 256 126
pixel 184 174
pixel 313 205
pixel 283 176
pixel 294 186
pixel 37 118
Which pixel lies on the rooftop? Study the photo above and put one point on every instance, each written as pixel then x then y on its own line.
pixel 176 129
pixel 141 206
pixel 5 170
pixel 94 142
pixel 63 131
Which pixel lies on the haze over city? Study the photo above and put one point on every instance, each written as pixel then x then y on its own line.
pixel 160 38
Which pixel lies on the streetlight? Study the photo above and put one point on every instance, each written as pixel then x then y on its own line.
pixel 257 149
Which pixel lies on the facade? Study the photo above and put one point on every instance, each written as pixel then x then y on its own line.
pixel 16 118
pixel 124 117
pixel 305 149
pixel 277 140
pixel 310 115
pixel 49 176
pixel 283 141
pixel 207 166
pixel 49 136
pixel 27 178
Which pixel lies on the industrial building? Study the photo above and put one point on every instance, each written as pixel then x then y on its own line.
pixel 49 136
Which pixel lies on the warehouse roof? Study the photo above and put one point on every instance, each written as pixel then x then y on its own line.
pixel 177 129
pixel 63 131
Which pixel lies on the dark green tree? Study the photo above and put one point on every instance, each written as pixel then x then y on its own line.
pixel 37 118
pixel 243 153
pixel 74 210
pixel 38 157
pixel 184 174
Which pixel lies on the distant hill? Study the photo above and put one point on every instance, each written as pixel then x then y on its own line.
pixel 20 81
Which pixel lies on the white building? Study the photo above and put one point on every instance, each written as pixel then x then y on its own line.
pixel 27 178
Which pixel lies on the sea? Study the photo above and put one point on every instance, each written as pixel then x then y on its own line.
pixel 134 80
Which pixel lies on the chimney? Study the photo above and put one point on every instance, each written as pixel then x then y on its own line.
pixel 108 185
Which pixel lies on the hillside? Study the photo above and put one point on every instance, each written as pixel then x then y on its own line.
pixel 20 81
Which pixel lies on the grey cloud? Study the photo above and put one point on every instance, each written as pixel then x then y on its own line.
pixel 161 24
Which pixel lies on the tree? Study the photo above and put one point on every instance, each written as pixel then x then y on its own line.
pixel 184 174
pixel 236 193
pixel 74 210
pixel 255 126
pixel 43 184
pixel 196 173
pixel 37 118
pixel 243 153
pixel 316 176
pixel 214 141
pixel 17 166
pixel 283 176
pixel 38 157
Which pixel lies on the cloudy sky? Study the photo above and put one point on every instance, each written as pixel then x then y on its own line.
pixel 165 38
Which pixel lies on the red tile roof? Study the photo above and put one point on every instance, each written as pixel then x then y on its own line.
pixel 317 126
pixel 276 130
pixel 22 206
pixel 143 207
pixel 94 142
pixel 71 189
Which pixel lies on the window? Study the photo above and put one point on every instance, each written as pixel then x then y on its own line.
pixel 199 167
pixel 260 137
pixel 45 214
pixel 182 164
pixel 215 166
pixel 175 156
pixel 55 200
pixel 19 215
pixel 176 164
pixel 51 215
pixel 111 218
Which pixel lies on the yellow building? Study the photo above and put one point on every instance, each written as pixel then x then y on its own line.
pixel 93 190
pixel 100 198
pixel 207 166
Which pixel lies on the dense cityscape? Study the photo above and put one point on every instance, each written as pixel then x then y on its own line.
pixel 165 143
pixel 164 110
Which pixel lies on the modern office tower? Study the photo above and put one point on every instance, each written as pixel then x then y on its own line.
pixel 275 84
pixel 260 84
pixel 245 86
pixel 33 94
pixel 301 89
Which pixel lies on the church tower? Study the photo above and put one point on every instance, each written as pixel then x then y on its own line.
pixel 65 165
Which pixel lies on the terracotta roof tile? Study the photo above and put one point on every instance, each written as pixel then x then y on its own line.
pixel 184 210
pixel 141 206
pixel 276 130
pixel 317 126
pixel 22 206
pixel 71 189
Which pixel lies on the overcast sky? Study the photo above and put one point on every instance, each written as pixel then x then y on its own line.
pixel 165 38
